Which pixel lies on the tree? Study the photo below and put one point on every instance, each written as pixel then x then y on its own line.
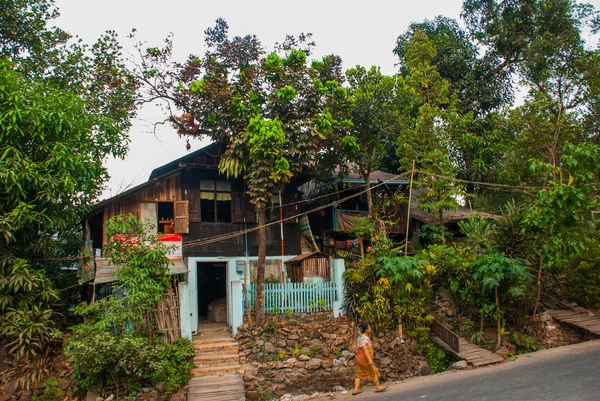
pixel 428 137
pixel 458 60
pixel 63 110
pixel 377 100
pixel 500 277
pixel 274 113
pixel 559 218
pixel 116 345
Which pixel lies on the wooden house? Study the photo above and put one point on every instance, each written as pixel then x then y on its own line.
pixel 332 226
pixel 213 220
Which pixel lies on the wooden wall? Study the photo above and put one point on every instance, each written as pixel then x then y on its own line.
pixel 170 189
pixel 167 189
pixel 236 246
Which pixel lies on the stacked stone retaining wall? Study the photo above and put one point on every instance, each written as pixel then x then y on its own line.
pixel 300 356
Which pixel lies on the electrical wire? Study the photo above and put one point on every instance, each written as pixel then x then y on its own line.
pixel 223 237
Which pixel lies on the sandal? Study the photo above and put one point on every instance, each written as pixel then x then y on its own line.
pixel 382 389
pixel 359 391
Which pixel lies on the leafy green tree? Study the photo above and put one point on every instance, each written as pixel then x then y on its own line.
pixel 377 101
pixel 458 60
pixel 64 108
pixel 391 289
pixel 427 138
pixel 274 113
pixel 584 274
pixel 560 217
pixel 502 280
pixel 541 43
pixel 115 349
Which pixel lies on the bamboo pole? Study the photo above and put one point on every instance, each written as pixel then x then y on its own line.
pixel 412 175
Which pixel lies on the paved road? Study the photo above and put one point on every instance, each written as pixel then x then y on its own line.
pixel 569 373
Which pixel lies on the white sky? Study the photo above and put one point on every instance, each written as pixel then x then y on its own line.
pixel 362 33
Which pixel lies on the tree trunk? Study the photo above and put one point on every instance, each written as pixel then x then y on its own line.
pixel 539 289
pixel 499 340
pixel 260 268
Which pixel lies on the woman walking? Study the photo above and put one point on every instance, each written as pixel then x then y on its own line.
pixel 365 367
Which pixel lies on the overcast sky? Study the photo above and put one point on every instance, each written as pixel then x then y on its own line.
pixel 360 33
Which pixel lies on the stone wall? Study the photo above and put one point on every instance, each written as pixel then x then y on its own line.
pixel 300 357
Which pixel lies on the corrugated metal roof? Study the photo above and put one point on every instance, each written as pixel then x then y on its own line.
pixel 300 258
pixel 448 215
pixel 374 178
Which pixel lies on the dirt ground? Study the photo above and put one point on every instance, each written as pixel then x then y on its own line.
pixel 3 365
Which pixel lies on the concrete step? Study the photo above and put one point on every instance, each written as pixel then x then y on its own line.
pixel 216 358
pixel 209 328
pixel 216 349
pixel 213 363
pixel 217 338
pixel 229 387
pixel 216 370
pixel 217 380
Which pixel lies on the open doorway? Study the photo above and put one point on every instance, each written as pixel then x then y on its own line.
pixel 212 292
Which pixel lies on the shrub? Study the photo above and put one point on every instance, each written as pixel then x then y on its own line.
pixel 436 358
pixel 584 279
pixel 52 392
pixel 523 343
pixel 128 362
pixel 114 347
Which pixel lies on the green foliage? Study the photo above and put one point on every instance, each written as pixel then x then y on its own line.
pixel 503 281
pixel 114 344
pixel 436 358
pixel 52 392
pixel 427 135
pixel 561 212
pixel 172 364
pixel 453 269
pixel 523 343
pixel 385 288
pixel 281 355
pixel 126 362
pixel 64 108
pixel 584 276
pixel 377 100
pixel 271 326
pixel 296 350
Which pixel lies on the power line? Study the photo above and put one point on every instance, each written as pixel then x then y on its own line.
pixel 488 184
pixel 223 237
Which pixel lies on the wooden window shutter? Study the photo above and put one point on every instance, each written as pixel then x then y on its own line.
pixel 249 210
pixel 193 196
pixel 237 207
pixel 290 207
pixel 182 219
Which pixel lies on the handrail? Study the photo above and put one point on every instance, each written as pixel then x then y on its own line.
pixel 445 334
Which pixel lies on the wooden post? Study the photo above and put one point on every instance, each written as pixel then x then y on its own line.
pixel 412 175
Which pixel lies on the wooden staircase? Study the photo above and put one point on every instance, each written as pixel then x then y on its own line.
pixel 577 319
pixel 461 348
pixel 215 366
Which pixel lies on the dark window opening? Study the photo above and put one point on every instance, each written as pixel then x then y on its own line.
pixel 215 201
pixel 165 218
